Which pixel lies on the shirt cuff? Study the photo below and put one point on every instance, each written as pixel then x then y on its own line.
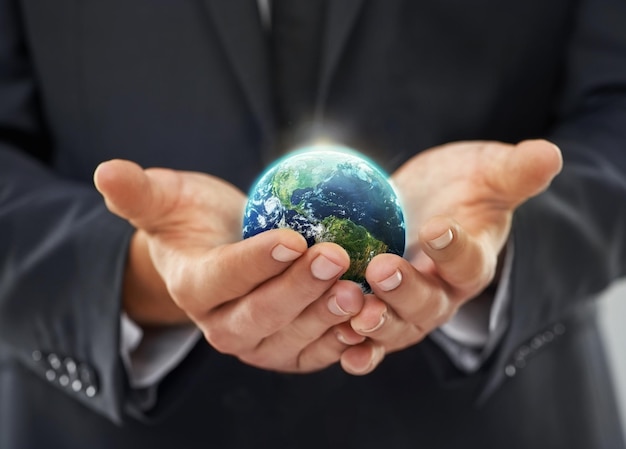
pixel 150 354
pixel 476 329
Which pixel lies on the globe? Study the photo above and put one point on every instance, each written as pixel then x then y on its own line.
pixel 330 193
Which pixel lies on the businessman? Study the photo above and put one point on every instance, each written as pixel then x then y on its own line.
pixel 501 127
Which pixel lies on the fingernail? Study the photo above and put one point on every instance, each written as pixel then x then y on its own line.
pixel 391 282
pixel 342 338
pixel 442 241
pixel 334 307
pixel 378 325
pixel 323 269
pixel 377 356
pixel 281 253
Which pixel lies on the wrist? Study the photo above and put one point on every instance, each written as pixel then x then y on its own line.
pixel 145 297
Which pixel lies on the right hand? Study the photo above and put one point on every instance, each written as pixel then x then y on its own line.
pixel 267 300
pixel 459 200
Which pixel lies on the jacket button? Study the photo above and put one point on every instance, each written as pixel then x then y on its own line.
pixel 536 343
pixel 91 391
pixel 77 385
pixel 88 380
pixel 64 380
pixel 548 336
pixel 54 361
pixel 524 351
pixel 51 375
pixel 70 366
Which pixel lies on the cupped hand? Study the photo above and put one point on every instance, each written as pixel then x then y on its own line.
pixel 459 200
pixel 267 300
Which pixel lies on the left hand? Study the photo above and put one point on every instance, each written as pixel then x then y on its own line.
pixel 286 311
pixel 459 201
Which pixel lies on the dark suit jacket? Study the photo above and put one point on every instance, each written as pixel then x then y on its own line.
pixel 186 84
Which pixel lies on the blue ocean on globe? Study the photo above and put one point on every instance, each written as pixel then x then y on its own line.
pixel 329 193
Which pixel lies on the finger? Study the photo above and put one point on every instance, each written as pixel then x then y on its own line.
pixel 372 317
pixel 231 271
pixel 363 358
pixel 416 298
pixel 463 261
pixel 524 171
pixel 240 325
pixel 343 300
pixel 327 349
pixel 346 335
pixel 379 322
pixel 135 194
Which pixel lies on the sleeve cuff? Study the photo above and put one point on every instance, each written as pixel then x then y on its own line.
pixel 473 333
pixel 149 355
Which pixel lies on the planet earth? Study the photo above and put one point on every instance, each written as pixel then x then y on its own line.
pixel 330 193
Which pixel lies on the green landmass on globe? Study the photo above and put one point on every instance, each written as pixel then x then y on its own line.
pixel 360 245
pixel 330 194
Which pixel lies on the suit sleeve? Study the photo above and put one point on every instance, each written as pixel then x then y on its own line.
pixel 62 253
pixel 570 242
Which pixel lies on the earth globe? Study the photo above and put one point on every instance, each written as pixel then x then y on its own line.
pixel 329 193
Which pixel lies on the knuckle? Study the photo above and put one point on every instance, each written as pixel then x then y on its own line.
pixel 300 332
pixel 441 310
pixel 266 323
pixel 306 289
pixel 434 305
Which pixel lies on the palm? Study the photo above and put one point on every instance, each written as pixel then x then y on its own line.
pixel 468 181
pixel 478 184
pixel 187 252
pixel 193 209
pixel 183 213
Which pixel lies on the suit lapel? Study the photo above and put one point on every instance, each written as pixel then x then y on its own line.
pixel 239 27
pixel 341 18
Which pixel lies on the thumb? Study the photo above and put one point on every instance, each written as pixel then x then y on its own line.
pixel 526 170
pixel 140 196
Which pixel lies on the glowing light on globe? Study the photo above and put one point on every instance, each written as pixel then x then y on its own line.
pixel 329 193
